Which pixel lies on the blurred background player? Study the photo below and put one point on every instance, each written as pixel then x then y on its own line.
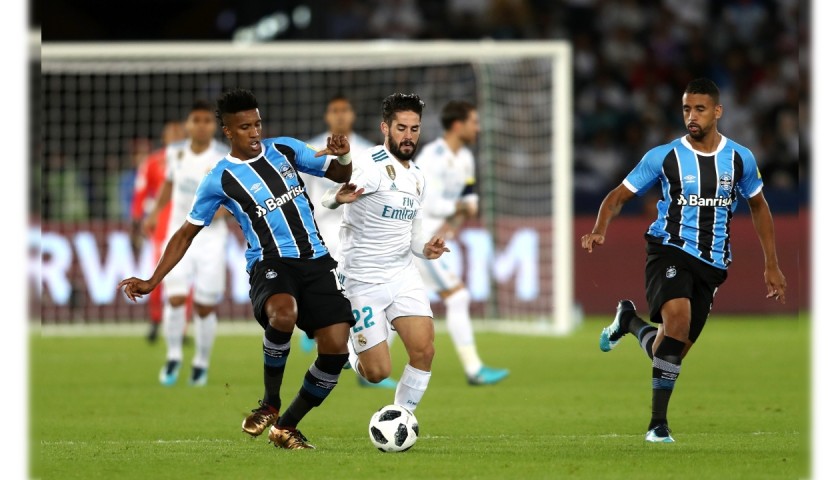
pixel 451 198
pixel 203 269
pixel 339 117
pixel 151 173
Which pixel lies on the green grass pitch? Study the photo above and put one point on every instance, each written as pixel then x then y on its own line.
pixel 740 410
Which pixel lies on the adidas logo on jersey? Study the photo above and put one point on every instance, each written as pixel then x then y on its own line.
pixel 394 186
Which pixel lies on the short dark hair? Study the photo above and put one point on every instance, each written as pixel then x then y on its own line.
pixel 455 111
pixel 202 105
pixel 233 101
pixel 401 102
pixel 338 97
pixel 704 86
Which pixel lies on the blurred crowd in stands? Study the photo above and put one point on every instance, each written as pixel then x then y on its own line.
pixel 632 59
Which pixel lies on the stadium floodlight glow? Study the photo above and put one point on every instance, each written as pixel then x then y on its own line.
pixel 301 16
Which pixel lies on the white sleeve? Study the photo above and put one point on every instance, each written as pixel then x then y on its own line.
pixel 365 175
pixel 418 239
pixel 328 199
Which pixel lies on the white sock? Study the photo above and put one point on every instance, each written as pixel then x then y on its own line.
pixel 411 388
pixel 353 359
pixel 459 324
pixel 205 335
pixel 174 322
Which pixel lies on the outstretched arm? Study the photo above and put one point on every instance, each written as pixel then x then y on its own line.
pixel 341 167
pixel 344 193
pixel 763 223
pixel 135 288
pixel 610 208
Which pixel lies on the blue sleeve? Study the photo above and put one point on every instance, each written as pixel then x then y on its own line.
pixel 750 183
pixel 305 159
pixel 208 197
pixel 646 173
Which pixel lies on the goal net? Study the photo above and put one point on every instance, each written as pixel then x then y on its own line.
pixel 103 106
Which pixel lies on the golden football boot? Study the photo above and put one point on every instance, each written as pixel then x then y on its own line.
pixel 259 419
pixel 287 438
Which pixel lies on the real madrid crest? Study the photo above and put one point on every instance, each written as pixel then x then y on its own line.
pixel 391 172
pixel 361 339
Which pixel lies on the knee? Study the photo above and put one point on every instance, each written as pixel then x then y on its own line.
pixel 281 315
pixel 376 373
pixel 177 301
pixel 204 310
pixel 422 356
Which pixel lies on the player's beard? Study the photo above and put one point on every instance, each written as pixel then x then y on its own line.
pixel 700 134
pixel 394 148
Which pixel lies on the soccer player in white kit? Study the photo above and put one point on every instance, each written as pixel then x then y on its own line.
pixel 450 198
pixel 203 268
pixel 380 231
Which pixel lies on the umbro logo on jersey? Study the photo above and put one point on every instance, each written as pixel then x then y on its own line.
pixel 270 274
pixel 689 179
pixel 256 187
pixel 671 272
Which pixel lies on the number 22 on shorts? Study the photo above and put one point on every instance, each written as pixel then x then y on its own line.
pixel 366 321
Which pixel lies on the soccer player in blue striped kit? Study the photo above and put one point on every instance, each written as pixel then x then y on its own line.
pixel 688 246
pixel 292 275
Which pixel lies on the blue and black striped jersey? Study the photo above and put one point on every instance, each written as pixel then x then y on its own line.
pixel 698 195
pixel 268 198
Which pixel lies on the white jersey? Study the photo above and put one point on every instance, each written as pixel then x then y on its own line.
pixel 185 169
pixel 329 220
pixel 450 177
pixel 376 229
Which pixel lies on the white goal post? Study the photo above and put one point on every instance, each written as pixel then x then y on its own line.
pixel 97 96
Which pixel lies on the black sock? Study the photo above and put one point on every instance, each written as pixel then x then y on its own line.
pixel 646 336
pixel 276 346
pixel 643 331
pixel 666 369
pixel 318 382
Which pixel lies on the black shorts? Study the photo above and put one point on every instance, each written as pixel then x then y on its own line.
pixel 313 284
pixel 672 273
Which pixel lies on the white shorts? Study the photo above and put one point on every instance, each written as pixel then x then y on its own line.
pixel 376 305
pixel 437 274
pixel 204 269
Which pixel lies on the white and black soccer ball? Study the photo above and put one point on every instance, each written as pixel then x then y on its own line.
pixel 393 429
